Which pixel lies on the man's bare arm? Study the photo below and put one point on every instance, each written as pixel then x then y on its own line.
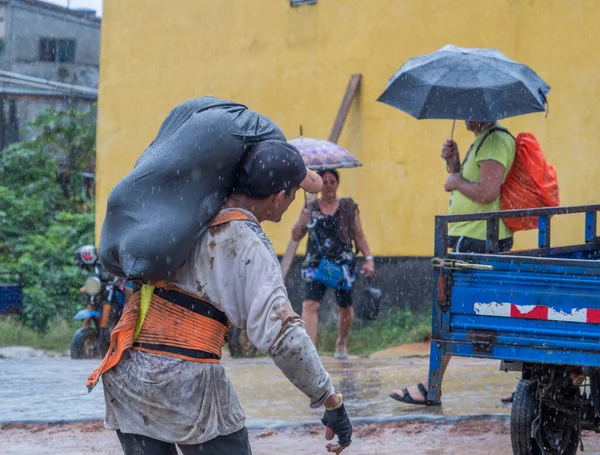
pixel 485 192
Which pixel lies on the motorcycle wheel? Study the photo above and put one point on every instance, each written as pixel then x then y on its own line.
pixel 558 435
pixel 83 345
pixel 239 344
pixel 104 341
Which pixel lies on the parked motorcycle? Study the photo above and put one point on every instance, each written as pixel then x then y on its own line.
pixel 107 295
pixel 106 299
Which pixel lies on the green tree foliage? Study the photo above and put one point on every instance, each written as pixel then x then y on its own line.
pixel 45 214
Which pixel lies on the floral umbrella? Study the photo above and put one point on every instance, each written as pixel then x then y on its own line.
pixel 320 155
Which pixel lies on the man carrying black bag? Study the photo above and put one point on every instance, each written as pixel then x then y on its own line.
pixel 163 383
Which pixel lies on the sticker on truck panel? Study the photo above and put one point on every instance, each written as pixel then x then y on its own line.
pixel 510 310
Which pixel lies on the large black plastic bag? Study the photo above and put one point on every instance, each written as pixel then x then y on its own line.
pixel 157 212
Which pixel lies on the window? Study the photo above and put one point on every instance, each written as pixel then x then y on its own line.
pixel 302 2
pixel 47 50
pixel 66 50
pixel 57 50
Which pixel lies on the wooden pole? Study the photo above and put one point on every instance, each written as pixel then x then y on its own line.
pixel 336 131
pixel 351 89
pixel 290 251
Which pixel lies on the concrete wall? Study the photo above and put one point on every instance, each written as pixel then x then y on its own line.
pixel 22 24
pixel 293 64
pixel 27 23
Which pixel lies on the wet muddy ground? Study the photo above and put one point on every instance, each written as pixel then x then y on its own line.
pixel 46 390
pixel 471 437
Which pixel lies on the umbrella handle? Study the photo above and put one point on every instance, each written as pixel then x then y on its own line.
pixel 308 198
pixel 451 137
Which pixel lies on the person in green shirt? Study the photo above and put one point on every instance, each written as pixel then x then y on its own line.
pixel 474 186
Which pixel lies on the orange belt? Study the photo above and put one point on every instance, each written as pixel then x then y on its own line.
pixel 177 324
pixel 183 326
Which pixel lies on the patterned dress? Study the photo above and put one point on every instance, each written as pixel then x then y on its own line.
pixel 327 229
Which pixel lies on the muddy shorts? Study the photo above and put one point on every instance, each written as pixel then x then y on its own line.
pixel 232 444
pixel 314 290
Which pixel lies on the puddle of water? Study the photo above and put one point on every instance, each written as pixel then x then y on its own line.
pixel 471 386
pixel 50 389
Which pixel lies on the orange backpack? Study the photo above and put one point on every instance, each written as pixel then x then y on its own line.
pixel 530 183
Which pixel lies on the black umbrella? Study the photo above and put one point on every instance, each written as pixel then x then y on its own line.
pixel 465 84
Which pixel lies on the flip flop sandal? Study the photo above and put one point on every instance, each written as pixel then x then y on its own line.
pixel 508 400
pixel 340 355
pixel 406 398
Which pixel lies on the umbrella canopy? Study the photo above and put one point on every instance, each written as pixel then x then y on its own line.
pixel 320 155
pixel 465 84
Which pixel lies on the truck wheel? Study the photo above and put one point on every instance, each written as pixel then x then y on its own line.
pixel 558 434
pixel 83 345
pixel 239 344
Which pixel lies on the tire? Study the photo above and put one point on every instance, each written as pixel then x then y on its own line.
pixel 524 411
pixel 103 342
pixel 83 345
pixel 239 344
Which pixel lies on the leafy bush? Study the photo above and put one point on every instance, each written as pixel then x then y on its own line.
pixel 397 326
pixel 46 214
pixel 52 278
pixel 58 337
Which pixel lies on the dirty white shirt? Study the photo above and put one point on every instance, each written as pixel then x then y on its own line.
pixel 235 268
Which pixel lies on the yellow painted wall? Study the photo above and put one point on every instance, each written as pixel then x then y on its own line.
pixel 293 64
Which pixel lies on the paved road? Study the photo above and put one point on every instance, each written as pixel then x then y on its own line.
pixel 43 389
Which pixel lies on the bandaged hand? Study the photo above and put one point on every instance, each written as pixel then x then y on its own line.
pixel 337 422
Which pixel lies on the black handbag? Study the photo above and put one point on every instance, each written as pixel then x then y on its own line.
pixel 370 302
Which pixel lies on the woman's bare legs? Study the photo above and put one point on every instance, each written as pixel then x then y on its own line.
pixel 345 320
pixel 310 316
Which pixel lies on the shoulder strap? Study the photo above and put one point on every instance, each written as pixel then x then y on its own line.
pixel 346 203
pixel 497 128
pixel 228 216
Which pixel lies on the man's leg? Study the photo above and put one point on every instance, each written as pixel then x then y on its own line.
pixel 345 319
pixel 233 444
pixel 462 245
pixel 458 245
pixel 414 391
pixel 135 444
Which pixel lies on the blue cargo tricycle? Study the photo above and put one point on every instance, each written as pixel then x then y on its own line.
pixel 538 311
